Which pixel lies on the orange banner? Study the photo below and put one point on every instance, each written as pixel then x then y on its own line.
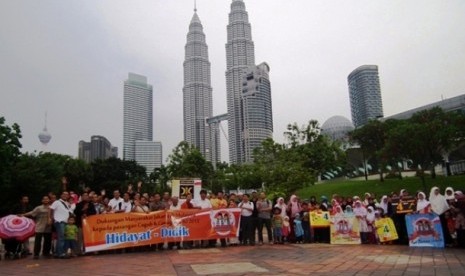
pixel 112 231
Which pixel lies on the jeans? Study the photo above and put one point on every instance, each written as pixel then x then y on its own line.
pixel 46 246
pixel 60 245
pixel 70 244
pixel 277 234
pixel 267 223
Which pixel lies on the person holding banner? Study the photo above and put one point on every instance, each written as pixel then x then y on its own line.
pixel 386 205
pixel 247 208
pixel 360 213
pixel 423 205
pixel 439 206
pixel 370 218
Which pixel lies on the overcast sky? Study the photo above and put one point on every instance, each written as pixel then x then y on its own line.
pixel 70 58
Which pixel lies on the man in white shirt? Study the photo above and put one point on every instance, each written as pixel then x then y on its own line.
pixel 247 208
pixel 127 204
pixel 60 212
pixel 203 202
pixel 175 203
pixel 116 203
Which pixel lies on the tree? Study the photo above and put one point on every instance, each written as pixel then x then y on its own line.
pixel 187 161
pixel 114 173
pixel 371 138
pixel 430 134
pixel 160 176
pixel 78 174
pixel 284 168
pixel 9 154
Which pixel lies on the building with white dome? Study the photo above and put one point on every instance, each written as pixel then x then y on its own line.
pixel 337 128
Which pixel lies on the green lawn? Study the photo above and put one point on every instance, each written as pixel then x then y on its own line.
pixel 352 187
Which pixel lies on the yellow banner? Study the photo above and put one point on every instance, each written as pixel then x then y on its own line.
pixel 320 219
pixel 386 230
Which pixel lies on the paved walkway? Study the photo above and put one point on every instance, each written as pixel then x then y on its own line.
pixel 303 259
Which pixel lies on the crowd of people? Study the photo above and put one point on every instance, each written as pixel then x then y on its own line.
pixel 59 221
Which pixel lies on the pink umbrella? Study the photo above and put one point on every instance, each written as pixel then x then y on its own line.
pixel 15 227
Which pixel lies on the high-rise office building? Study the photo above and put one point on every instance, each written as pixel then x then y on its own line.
pixel 365 94
pixel 138 110
pixel 197 90
pixel 148 154
pixel 98 148
pixel 257 116
pixel 239 56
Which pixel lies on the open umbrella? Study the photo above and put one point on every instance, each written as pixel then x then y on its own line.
pixel 15 227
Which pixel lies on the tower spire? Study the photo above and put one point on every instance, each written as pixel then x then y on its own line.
pixel 195 5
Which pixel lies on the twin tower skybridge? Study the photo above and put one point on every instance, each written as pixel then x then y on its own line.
pixel 215 123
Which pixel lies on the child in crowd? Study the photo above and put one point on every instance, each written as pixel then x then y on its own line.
pixel 277 224
pixel 298 230
pixel 450 220
pixel 71 232
pixel 378 216
pixel 459 227
pixel 286 229
pixel 305 215
pixel 370 218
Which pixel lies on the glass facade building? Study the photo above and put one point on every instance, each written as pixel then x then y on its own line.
pixel 256 109
pixel 365 95
pixel 138 113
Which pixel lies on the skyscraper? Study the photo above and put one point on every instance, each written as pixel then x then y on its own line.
pixel 239 56
pixel 98 148
pixel 197 90
pixel 365 94
pixel 138 110
pixel 257 116
pixel 149 154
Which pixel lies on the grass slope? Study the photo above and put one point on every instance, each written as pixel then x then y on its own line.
pixel 351 188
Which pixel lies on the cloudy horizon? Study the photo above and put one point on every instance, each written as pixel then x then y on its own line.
pixel 71 58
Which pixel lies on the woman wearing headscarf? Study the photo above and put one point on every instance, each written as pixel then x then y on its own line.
pixel 293 209
pixel 348 211
pixel 360 213
pixel 371 238
pixel 449 193
pixel 423 205
pixel 366 201
pixel 386 206
pixel 439 206
pixel 282 206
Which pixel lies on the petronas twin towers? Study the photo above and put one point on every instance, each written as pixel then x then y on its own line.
pixel 249 113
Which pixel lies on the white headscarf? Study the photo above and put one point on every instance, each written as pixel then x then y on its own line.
pixel 449 197
pixel 359 210
pixel 370 215
pixel 281 206
pixel 384 205
pixel 422 204
pixel 438 202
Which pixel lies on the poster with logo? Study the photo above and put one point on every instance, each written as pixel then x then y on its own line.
pixel 319 219
pixel 113 231
pixel 424 230
pixel 406 205
pixel 344 230
pixel 186 186
pixel 386 230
